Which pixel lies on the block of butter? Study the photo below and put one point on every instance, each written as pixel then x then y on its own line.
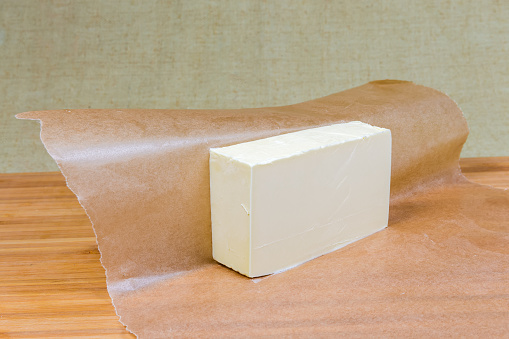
pixel 281 201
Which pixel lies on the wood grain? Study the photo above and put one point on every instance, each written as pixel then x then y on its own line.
pixel 51 281
pixel 487 171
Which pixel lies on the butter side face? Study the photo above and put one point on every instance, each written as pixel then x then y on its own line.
pixel 284 200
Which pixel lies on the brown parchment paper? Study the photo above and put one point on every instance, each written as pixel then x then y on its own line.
pixel 440 268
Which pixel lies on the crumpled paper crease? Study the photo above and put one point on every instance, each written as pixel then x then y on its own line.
pixel 142 177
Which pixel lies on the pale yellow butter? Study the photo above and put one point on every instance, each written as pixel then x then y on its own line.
pixel 284 200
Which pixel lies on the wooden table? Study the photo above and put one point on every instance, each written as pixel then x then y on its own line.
pixel 51 281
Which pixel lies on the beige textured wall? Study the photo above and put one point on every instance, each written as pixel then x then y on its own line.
pixel 228 54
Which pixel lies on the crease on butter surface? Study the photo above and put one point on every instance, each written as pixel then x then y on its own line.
pixel 284 200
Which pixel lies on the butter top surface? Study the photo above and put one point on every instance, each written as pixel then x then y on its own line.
pixel 265 151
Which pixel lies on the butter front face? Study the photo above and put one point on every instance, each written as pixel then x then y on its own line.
pixel 284 200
